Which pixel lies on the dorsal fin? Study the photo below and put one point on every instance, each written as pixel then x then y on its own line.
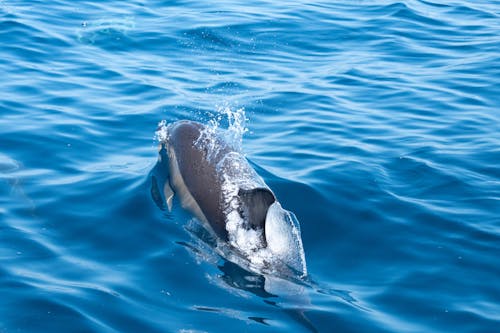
pixel 255 203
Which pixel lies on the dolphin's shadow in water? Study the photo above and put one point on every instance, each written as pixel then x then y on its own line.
pixel 237 277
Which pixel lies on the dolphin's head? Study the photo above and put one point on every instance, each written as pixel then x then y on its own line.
pixel 283 238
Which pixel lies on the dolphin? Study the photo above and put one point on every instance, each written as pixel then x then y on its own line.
pixel 217 184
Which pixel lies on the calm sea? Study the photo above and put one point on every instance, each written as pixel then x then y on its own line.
pixel 376 122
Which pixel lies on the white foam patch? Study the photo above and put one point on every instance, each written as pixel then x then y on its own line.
pixel 247 241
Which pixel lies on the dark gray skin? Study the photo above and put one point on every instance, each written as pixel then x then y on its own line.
pixel 194 176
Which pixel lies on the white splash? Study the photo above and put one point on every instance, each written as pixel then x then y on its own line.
pixel 237 127
pixel 161 133
pixel 236 120
pixel 214 136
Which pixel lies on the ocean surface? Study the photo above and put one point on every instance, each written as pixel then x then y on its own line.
pixel 376 122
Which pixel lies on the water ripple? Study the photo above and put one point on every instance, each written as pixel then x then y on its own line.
pixel 376 123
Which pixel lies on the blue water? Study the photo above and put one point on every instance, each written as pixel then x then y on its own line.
pixel 377 123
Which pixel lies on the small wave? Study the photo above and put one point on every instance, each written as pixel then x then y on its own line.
pixel 210 36
pixel 105 31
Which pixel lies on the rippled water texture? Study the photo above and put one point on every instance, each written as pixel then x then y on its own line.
pixel 376 122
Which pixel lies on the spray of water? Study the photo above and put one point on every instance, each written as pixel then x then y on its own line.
pixel 236 125
pixel 161 132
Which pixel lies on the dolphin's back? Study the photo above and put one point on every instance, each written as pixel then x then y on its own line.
pixel 199 172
